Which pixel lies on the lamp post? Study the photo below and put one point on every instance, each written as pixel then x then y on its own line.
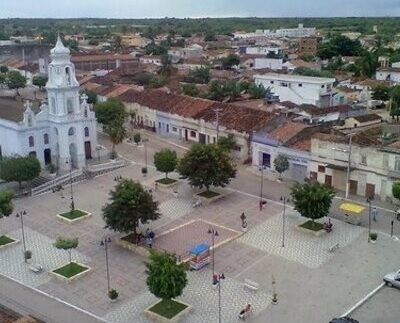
pixel 217 111
pixel 21 216
pixel 285 200
pixel 145 140
pixel 98 148
pixel 214 233
pixel 369 201
pixel 220 277
pixel 70 184
pixel 348 151
pixel 105 243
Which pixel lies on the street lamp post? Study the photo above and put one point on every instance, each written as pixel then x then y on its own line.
pixel 21 216
pixel 145 151
pixel 220 277
pixel 261 169
pixel 285 200
pixel 70 184
pixel 214 233
pixel 105 243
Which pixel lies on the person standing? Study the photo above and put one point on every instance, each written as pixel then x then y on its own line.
pixel 374 214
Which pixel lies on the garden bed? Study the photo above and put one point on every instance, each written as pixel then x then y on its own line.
pixel 129 242
pixel 74 216
pixel 6 241
pixel 71 271
pixel 315 228
pixel 166 181
pixel 168 311
pixel 208 197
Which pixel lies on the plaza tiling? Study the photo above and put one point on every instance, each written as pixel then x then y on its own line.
pixel 181 226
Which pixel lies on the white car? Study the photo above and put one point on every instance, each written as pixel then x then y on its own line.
pixel 392 279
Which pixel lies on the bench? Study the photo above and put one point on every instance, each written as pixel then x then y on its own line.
pixel 36 268
pixel 334 248
pixel 251 285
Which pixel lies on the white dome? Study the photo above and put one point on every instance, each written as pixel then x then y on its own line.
pixel 60 49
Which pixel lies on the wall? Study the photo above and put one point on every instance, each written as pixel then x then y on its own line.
pixel 272 63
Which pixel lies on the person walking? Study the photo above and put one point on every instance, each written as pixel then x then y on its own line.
pixel 374 214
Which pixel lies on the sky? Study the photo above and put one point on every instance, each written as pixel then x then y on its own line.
pixel 196 8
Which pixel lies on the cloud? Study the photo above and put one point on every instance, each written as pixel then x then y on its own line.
pixel 196 8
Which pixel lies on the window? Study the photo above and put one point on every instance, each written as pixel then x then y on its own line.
pixel 385 160
pixel 53 105
pixel 192 134
pixel 68 75
pixel 174 129
pixel 29 121
pixel 31 141
pixel 272 82
pixel 397 164
pixel 321 169
pixel 363 159
pixel 71 131
pixel 322 86
pixel 284 84
pixel 70 106
pixel 86 132
pixel 46 139
pixel 300 85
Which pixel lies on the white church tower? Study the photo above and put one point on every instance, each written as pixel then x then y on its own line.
pixel 72 124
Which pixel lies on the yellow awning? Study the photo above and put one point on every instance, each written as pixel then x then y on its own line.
pixel 351 207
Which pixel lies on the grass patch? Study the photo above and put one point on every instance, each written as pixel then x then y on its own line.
pixel 168 308
pixel 166 181
pixel 5 240
pixel 70 270
pixel 314 226
pixel 208 194
pixel 72 215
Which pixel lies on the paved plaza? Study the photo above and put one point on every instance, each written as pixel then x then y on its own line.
pixel 306 273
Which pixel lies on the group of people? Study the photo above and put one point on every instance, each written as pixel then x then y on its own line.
pixel 148 237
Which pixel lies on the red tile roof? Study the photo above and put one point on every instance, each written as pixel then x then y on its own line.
pixel 287 131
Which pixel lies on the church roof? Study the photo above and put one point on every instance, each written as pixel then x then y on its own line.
pixel 60 49
pixel 13 110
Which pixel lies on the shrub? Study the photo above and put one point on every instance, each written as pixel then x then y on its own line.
pixel 113 294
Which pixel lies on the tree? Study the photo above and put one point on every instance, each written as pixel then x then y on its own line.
pixel 206 165
pixel 66 244
pixel 117 43
pixel 199 75
pixel 117 133
pixel 396 190
pixel 381 92
pixel 39 80
pixel 137 138
pixel 3 69
pixel 281 164
pixel 166 65
pixel 130 203
pixel 6 206
pixel 19 169
pixel 165 161
pixel 165 278
pixel 257 91
pixel 190 89
pixel 230 60
pixel 227 143
pixel 15 80
pixel 112 110
pixel 312 200
pixel 209 36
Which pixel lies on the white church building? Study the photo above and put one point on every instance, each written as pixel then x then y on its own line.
pixel 57 132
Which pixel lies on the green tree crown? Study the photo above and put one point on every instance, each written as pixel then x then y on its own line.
pixel 165 161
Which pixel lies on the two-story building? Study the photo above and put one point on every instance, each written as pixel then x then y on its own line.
pixel 299 89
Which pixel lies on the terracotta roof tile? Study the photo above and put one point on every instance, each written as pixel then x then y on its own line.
pixel 287 131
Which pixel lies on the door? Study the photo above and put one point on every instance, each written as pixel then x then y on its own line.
pixel 202 138
pixel 370 190
pixel 353 187
pixel 186 134
pixel 266 160
pixel 47 156
pixel 328 180
pixel 88 150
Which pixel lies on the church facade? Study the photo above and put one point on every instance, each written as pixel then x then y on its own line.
pixel 59 132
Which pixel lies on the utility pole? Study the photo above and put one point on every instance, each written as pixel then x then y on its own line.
pixel 217 111
pixel 348 168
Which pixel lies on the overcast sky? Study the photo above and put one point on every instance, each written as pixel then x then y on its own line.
pixel 196 8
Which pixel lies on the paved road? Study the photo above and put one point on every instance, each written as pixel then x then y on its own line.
pixel 24 300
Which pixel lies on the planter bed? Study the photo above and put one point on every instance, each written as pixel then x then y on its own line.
pixel 166 182
pixel 129 242
pixel 168 311
pixel 71 271
pixel 307 227
pixel 209 197
pixel 6 241
pixel 74 216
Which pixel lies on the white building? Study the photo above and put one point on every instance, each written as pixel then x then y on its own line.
pixel 55 133
pixel 298 32
pixel 261 50
pixel 391 74
pixel 299 89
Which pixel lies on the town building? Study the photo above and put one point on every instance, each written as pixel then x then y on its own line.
pixel 57 132
pixel 391 74
pixel 299 89
pixel 103 61
pixel 309 45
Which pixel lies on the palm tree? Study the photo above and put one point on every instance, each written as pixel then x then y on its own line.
pixel 117 133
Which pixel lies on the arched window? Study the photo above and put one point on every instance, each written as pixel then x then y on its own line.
pixel 68 75
pixel 46 138
pixel 31 141
pixel 53 105
pixel 86 131
pixel 29 121
pixel 71 131
pixel 70 106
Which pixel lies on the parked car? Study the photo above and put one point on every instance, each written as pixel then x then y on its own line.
pixel 344 320
pixel 392 279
